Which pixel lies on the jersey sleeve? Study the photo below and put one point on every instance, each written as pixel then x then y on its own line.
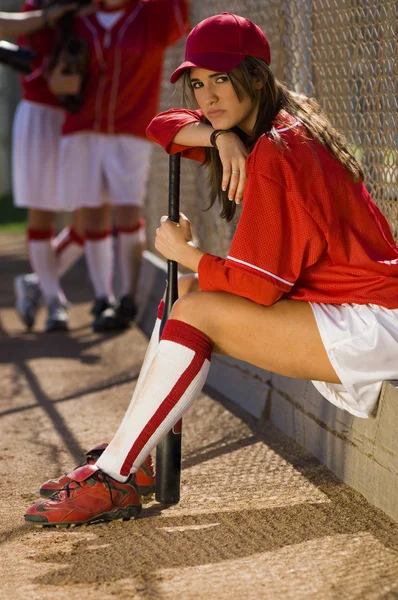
pixel 169 20
pixel 41 42
pixel 276 239
pixel 166 125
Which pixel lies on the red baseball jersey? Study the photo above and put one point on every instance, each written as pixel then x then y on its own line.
pixel 34 85
pixel 125 69
pixel 307 231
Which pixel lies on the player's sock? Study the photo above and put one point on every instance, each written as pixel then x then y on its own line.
pixel 69 247
pixel 149 356
pixel 130 244
pixel 99 256
pixel 43 261
pixel 173 380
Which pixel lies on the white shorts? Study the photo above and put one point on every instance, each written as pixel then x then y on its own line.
pixel 35 146
pixel 361 341
pixel 95 168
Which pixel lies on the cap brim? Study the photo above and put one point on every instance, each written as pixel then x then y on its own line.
pixel 211 61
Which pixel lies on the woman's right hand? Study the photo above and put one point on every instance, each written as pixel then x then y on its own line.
pixel 233 154
pixel 61 84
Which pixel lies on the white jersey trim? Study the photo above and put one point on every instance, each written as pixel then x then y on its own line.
pixel 290 127
pixel 242 262
pixel 101 84
pixel 117 68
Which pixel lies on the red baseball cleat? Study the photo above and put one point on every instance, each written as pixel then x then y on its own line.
pixel 90 496
pixel 145 476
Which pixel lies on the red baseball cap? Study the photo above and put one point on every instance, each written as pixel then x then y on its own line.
pixel 220 43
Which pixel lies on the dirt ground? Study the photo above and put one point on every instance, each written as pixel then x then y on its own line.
pixel 258 519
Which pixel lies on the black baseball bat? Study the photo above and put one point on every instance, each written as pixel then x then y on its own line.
pixel 168 452
pixel 16 57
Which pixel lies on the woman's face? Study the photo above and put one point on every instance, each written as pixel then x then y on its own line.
pixel 219 103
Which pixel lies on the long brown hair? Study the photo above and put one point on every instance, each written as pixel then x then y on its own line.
pixel 272 97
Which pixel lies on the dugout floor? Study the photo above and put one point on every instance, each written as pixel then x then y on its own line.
pixel 258 519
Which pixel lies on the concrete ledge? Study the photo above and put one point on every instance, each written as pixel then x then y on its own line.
pixel 361 452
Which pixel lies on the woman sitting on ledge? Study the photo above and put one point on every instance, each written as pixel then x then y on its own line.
pixel 309 288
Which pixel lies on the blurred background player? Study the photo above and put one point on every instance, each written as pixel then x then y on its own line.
pixel 104 148
pixel 13 24
pixel 36 137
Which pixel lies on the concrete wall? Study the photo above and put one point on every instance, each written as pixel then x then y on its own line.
pixel 361 452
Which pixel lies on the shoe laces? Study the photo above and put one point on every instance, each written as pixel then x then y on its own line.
pixel 73 485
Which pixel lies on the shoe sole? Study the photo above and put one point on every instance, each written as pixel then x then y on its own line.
pixel 146 492
pixel 120 514
pixel 57 327
pixel 110 325
pixel 18 291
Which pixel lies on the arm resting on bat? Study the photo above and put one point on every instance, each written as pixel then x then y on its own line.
pixel 182 130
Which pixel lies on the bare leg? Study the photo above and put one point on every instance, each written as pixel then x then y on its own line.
pixel 78 222
pixel 283 338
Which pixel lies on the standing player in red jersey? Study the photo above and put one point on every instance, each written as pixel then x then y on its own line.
pixel 104 148
pixel 309 288
pixel 36 139
pixel 13 24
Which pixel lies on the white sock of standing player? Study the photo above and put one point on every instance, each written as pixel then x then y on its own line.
pixel 98 249
pixel 172 381
pixel 130 245
pixel 43 260
pixel 69 247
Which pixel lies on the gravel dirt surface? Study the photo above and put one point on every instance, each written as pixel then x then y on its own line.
pixel 258 519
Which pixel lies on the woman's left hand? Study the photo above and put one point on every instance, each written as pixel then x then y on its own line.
pixel 174 241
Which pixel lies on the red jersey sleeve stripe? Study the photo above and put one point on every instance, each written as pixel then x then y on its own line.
pixel 216 276
pixel 255 268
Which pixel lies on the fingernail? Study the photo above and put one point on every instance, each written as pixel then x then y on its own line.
pixel 230 198
pixel 224 188
pixel 237 201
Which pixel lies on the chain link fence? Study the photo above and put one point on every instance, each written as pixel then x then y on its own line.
pixel 341 52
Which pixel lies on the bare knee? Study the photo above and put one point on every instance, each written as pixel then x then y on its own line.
pixel 187 284
pixel 97 219
pixel 40 219
pixel 78 222
pixel 198 309
pixel 127 216
pixel 186 307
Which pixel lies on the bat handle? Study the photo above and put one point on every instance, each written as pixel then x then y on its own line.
pixel 171 293
pixel 168 454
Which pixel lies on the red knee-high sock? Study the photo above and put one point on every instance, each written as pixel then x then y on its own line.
pixel 172 381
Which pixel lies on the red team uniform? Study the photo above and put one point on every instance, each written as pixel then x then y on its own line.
pixel 307 232
pixel 32 181
pixel 105 155
pixel 126 64
pixel 121 96
pixel 36 141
